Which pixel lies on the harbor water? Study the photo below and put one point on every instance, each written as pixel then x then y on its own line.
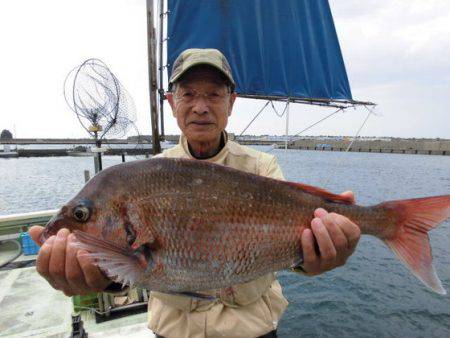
pixel 373 295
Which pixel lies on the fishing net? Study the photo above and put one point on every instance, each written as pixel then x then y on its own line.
pixel 101 103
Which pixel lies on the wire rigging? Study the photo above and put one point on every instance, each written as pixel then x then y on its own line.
pixel 254 118
pixel 316 123
pixel 284 110
pixel 370 112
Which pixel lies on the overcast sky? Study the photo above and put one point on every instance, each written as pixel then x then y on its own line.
pixel 397 54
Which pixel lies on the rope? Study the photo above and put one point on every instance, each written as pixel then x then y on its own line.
pixel 337 111
pixel 370 112
pixel 326 117
pixel 275 110
pixel 260 111
pixel 359 130
pixel 17 253
pixel 340 159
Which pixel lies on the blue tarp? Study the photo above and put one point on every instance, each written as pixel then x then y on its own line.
pixel 286 48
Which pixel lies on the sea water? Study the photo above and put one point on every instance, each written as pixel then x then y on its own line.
pixel 373 295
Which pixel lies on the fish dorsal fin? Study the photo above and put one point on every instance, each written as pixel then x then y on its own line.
pixel 329 196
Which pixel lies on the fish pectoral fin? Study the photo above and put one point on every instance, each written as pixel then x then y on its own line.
pixel 121 264
pixel 297 263
pixel 195 295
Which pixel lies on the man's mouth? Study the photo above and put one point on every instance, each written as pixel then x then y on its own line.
pixel 201 123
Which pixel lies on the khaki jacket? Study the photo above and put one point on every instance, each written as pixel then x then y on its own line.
pixel 246 310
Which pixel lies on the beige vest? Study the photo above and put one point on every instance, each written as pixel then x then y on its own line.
pixel 245 310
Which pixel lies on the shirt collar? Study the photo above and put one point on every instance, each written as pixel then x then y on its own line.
pixel 216 158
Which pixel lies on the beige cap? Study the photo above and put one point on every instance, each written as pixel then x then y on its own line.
pixel 197 56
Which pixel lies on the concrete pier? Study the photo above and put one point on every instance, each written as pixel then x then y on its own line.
pixel 70 152
pixel 393 146
pixel 382 145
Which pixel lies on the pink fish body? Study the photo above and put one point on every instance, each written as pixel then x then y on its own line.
pixel 175 225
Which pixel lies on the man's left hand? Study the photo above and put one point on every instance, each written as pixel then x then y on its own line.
pixel 330 241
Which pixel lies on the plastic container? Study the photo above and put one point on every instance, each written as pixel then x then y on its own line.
pixel 29 247
pixel 86 302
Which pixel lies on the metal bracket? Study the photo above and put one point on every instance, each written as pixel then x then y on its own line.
pixel 164 14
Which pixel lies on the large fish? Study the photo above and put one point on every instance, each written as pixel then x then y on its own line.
pixel 182 226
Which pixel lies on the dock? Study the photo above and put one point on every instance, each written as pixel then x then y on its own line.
pixel 376 145
pixel 392 146
pixel 26 141
pixel 73 147
pixel 70 152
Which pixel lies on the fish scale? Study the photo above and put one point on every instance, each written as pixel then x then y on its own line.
pixel 177 225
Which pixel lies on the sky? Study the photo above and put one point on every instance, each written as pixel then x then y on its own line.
pixel 396 54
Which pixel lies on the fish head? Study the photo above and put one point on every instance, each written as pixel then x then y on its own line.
pixel 75 215
pixel 108 223
pixel 103 208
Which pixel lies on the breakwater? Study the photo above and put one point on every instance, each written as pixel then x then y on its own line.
pixel 22 141
pixel 393 146
pixel 386 145
pixel 69 152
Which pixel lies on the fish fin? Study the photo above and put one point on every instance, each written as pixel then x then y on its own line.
pixel 195 295
pixel 140 235
pixel 327 195
pixel 119 263
pixel 297 262
pixel 411 242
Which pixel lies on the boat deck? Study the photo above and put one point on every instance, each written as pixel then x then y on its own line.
pixel 30 307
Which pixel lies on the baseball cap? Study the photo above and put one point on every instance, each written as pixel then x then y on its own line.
pixel 200 56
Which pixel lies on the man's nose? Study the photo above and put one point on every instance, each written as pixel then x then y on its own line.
pixel 201 105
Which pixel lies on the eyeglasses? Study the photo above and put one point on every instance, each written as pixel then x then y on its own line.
pixel 190 96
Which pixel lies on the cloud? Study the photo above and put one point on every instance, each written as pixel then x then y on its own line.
pixel 396 54
pixel 385 41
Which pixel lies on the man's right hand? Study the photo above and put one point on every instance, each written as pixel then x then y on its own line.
pixel 66 267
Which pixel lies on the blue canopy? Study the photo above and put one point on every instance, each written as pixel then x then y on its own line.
pixel 276 48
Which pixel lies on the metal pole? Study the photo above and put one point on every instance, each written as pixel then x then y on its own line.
pixel 98 156
pixel 87 176
pixel 287 127
pixel 152 77
pixel 161 67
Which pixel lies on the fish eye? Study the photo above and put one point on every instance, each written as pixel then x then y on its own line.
pixel 81 213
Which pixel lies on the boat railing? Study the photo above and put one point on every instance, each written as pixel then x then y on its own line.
pixel 12 225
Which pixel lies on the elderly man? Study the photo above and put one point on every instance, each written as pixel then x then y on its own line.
pixel 202 97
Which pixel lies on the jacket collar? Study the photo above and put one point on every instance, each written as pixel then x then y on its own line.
pixel 216 158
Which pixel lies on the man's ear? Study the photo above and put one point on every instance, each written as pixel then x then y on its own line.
pixel 233 96
pixel 171 101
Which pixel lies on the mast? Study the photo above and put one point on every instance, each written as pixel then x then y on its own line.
pixel 156 146
pixel 287 127
pixel 161 67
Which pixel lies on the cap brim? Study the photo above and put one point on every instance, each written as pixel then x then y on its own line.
pixel 177 77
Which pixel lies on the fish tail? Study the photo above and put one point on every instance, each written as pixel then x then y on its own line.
pixel 410 241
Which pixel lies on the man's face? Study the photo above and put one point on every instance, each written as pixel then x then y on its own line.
pixel 201 104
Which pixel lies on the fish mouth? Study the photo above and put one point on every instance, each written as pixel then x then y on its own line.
pixel 52 227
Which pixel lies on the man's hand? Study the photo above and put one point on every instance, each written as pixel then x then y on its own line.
pixel 66 267
pixel 330 241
